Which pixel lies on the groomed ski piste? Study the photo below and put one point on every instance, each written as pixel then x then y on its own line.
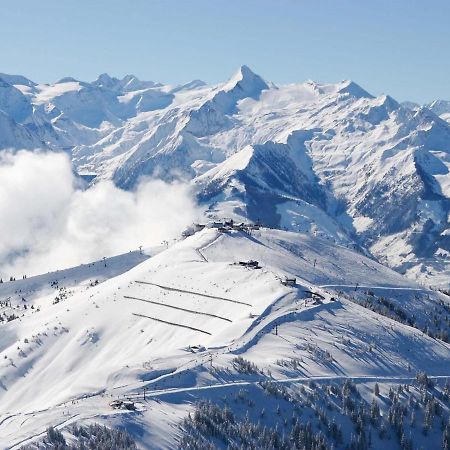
pixel 165 330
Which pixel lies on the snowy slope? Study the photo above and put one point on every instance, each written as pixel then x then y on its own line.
pixel 14 135
pixel 174 322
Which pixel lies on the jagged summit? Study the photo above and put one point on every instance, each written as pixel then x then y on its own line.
pixel 246 80
pixel 214 113
pixel 353 89
pixel 106 81
pixel 388 102
pixel 133 83
pixel 127 84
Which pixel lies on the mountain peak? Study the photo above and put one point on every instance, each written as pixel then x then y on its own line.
pixel 67 80
pixel 353 89
pixel 248 81
pixel 16 80
pixel 245 71
pixel 128 83
pixel 106 81
pixel 133 83
pixel 388 101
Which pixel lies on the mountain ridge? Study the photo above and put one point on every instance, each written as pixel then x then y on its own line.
pixel 375 169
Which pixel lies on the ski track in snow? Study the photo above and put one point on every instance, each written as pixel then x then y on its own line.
pixel 173 324
pixel 169 288
pixel 387 288
pixel 179 308
pixel 356 379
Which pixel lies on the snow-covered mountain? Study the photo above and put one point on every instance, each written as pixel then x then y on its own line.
pixel 329 159
pixel 156 333
pixel 439 107
pixel 288 334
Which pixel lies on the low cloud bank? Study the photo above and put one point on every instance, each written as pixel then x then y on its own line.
pixel 48 222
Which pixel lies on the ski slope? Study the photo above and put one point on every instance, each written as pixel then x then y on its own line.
pixel 173 323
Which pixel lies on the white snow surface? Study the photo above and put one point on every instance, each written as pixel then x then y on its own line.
pixel 161 322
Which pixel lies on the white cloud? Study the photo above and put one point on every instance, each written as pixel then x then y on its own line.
pixel 47 222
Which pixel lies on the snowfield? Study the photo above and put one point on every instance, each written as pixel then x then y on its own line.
pixel 174 323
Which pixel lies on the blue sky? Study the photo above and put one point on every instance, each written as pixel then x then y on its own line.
pixel 396 47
